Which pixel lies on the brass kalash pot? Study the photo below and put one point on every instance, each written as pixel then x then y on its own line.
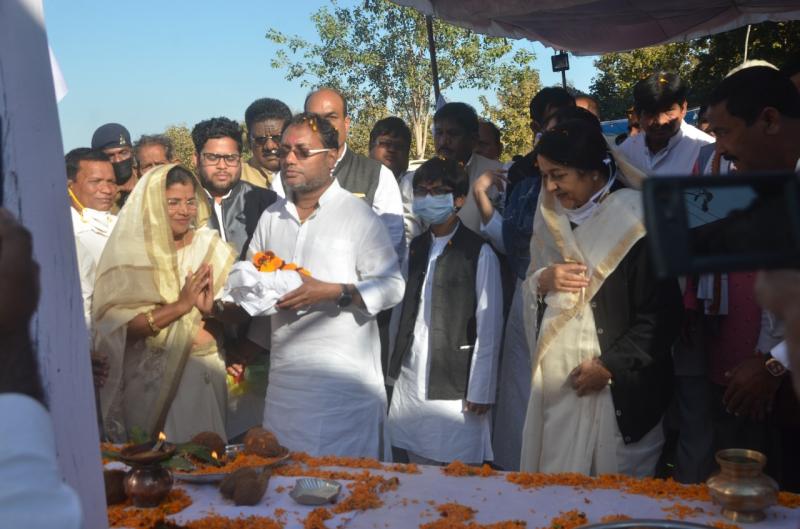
pixel 741 487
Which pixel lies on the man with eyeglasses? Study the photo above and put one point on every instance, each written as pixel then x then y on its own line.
pixel 237 205
pixel 326 393
pixel 265 119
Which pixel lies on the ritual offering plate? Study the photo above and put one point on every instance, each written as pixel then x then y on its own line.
pixel 315 491
pixel 234 459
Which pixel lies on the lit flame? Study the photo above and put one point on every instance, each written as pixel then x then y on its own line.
pixel 162 437
pixel 214 455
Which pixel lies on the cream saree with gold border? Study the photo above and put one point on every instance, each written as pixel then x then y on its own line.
pixel 139 270
pixel 564 432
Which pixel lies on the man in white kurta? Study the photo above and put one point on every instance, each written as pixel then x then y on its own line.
pixel 442 430
pixel 90 178
pixel 325 393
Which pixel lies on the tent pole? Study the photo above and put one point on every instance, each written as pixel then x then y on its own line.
pixel 432 49
pixel 746 42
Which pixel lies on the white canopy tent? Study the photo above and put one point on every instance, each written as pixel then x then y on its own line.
pixel 591 27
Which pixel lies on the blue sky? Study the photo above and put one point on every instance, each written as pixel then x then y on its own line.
pixel 150 64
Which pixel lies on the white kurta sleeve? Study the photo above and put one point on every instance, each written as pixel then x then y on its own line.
pixel 259 242
pixel 413 224
pixel 388 205
pixel 32 493
pixel 781 353
pixel 86 271
pixel 493 231
pixel 489 327
pixel 380 282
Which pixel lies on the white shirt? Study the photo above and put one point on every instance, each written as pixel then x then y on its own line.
pixel 218 212
pixel 32 493
pixel 677 158
pixel 469 214
pixel 325 392
pixel 440 429
pixel 387 204
pixel 92 229
pixel 414 226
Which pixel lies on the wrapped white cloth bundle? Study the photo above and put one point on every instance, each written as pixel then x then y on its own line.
pixel 258 292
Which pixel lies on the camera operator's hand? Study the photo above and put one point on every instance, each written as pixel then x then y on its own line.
pixel 751 389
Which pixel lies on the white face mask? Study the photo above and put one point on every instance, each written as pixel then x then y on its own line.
pixel 100 221
pixel 581 214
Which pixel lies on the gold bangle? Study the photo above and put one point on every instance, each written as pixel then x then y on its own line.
pixel 151 321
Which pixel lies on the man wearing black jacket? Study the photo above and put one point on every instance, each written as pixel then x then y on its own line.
pixel 237 205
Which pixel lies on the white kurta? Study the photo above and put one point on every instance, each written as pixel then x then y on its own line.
pixel 325 393
pixel 32 492
pixel 514 386
pixel 677 158
pixel 440 429
pixel 92 229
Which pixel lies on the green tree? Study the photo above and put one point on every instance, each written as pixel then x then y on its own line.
pixel 518 82
pixel 619 72
pixel 376 53
pixel 703 62
pixel 182 146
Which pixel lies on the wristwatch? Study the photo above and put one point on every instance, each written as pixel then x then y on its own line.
pixel 773 366
pixel 216 309
pixel 345 298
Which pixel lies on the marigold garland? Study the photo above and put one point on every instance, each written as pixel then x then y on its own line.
pixel 125 515
pixel 269 262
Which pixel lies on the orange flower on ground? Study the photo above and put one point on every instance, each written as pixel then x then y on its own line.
pixel 241 460
pixel 316 519
pixel 615 518
pixel 680 511
pixel 216 521
pixel 723 525
pixel 568 520
pixel 456 516
pixel 457 468
pixel 125 515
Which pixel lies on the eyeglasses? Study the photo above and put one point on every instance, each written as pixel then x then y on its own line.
pixel 175 203
pixel 212 158
pixel 420 191
pixel 300 152
pixel 262 140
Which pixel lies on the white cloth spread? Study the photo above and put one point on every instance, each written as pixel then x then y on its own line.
pixel 32 493
pixel 258 292
pixel 325 392
pixel 440 429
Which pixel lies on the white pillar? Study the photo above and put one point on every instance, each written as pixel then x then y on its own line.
pixel 34 186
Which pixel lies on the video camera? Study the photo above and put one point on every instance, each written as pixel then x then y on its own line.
pixel 723 223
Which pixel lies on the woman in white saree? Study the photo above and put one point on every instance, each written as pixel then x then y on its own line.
pixel 156 284
pixel 600 324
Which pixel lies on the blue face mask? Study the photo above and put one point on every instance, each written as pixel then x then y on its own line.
pixel 434 209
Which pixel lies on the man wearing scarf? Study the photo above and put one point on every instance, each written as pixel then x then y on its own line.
pixel 91 186
pixel 115 141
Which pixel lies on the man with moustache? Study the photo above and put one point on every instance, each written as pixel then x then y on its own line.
pixel 92 188
pixel 669 145
pixel 326 392
pixel 237 205
pixel 455 135
pixel 363 177
pixel 115 141
pixel 151 151
pixel 265 119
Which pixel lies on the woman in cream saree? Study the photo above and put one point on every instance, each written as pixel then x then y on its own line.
pixel 157 279
pixel 600 324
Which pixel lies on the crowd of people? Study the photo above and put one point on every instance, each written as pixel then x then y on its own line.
pixel 464 310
